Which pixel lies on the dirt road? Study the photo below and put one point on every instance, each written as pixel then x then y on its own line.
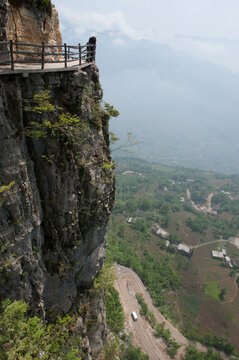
pixel 192 202
pixel 209 202
pixel 208 243
pixel 207 208
pixel 234 295
pixel 128 284
pixel 188 194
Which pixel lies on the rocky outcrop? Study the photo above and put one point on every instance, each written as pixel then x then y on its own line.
pixel 30 25
pixel 4 7
pixel 58 194
pixel 21 22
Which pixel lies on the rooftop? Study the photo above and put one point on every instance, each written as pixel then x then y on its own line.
pixel 217 254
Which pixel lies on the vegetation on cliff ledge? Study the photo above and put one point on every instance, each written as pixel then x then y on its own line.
pixel 23 337
pixel 51 121
pixel 42 5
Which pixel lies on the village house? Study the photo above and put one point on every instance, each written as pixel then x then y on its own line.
pixel 228 261
pixel 223 255
pixel 185 249
pixel 140 213
pixel 131 220
pixel 160 232
pixel 217 254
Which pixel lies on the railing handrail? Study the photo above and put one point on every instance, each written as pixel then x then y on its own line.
pixel 11 53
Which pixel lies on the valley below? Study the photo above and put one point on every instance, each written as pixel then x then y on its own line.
pixel 128 284
pixel 174 233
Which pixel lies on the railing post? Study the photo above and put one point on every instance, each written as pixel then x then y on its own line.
pixel 43 55
pixel 79 54
pixel 65 47
pixel 94 51
pixel 11 55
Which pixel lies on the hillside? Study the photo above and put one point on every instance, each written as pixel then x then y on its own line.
pixel 197 292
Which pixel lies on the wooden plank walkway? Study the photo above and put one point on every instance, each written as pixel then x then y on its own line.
pixel 35 68
pixel 18 57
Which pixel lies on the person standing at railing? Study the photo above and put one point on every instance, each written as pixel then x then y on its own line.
pixel 91 45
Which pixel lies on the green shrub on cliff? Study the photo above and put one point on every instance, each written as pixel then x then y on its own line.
pixel 52 121
pixel 133 353
pixel 25 338
pixel 4 189
pixel 193 354
pixel 7 187
pixel 114 311
pixel 104 279
pixel 42 5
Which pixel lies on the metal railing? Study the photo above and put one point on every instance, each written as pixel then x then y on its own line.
pixel 12 53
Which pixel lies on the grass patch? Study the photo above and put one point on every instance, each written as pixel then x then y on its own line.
pixel 212 290
pixel 192 304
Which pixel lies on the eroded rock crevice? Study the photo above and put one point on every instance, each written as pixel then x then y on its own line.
pixel 53 218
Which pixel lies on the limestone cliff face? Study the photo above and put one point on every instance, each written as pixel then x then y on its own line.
pixel 54 214
pixel 4 8
pixel 23 23
pixel 30 25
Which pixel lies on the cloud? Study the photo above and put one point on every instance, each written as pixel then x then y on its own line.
pixel 210 48
pixel 119 42
pixel 203 47
pixel 80 24
pixel 87 21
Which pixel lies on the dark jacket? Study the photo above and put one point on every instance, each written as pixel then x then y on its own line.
pixel 91 45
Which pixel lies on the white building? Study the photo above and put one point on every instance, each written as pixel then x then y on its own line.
pixel 160 232
pixel 217 254
pixel 185 249
pixel 228 261
pixel 131 220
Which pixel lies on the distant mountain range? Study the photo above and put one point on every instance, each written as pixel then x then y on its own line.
pixel 185 110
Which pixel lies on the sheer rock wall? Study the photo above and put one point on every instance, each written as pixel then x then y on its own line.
pixel 53 218
pixel 27 24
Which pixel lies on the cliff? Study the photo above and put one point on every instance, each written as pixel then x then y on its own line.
pixel 56 181
pixel 24 21
pixel 56 193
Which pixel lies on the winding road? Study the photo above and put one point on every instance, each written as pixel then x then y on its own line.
pixel 209 202
pixel 128 284
pixel 235 293
pixel 207 208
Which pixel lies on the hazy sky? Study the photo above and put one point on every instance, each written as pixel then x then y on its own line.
pixel 203 28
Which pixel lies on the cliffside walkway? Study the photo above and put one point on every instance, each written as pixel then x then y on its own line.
pixel 21 57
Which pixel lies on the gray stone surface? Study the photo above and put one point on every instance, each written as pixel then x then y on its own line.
pixel 53 219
